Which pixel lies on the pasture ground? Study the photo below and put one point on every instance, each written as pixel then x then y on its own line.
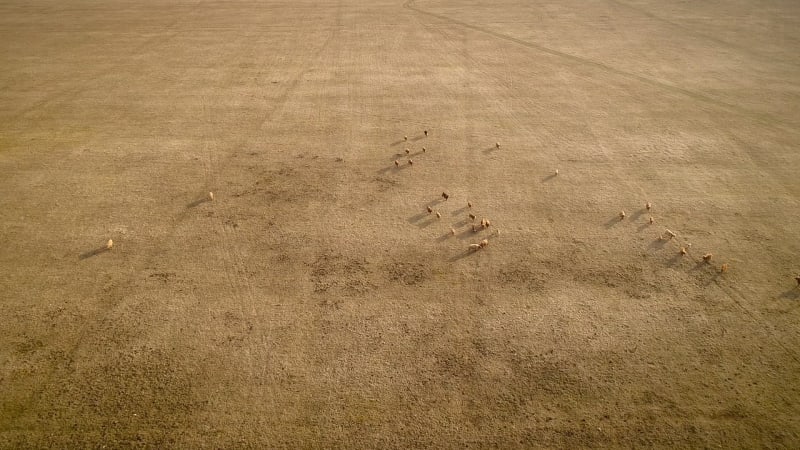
pixel 315 303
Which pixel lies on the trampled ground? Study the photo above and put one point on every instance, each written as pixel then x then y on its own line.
pixel 316 303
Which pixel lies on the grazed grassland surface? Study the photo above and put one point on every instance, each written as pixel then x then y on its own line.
pixel 315 303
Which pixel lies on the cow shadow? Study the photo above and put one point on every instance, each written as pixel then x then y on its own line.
pixel 464 254
pixel 611 223
pixel 197 202
pixel 95 252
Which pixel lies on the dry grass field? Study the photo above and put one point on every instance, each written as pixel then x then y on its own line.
pixel 316 303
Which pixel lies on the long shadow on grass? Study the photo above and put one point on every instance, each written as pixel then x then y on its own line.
pixel 198 202
pixel 468 233
pixel 659 243
pixel 417 217
pixel 638 214
pixel 675 259
pixel 393 168
pixel 643 226
pixel 444 237
pixel 459 210
pixel 700 265
pixel 792 294
pixel 427 223
pixel 613 222
pixel 466 253
pixel 94 252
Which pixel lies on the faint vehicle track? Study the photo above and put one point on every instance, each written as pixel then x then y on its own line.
pixel 91 79
pixel 116 291
pixel 732 293
pixel 707 37
pixel 762 118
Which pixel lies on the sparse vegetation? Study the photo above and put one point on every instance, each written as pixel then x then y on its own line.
pixel 317 306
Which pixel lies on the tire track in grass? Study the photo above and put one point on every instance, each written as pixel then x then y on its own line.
pixel 475 64
pixel 62 97
pixel 117 296
pixel 239 284
pixel 507 86
pixel 460 56
pixel 620 178
pixel 765 119
pixel 230 244
pixel 689 30
pixel 733 294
